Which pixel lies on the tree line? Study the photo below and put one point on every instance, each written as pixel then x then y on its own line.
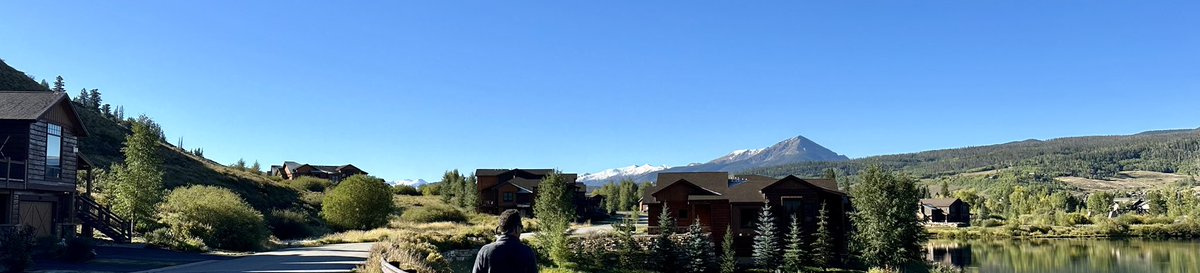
pixel 621 196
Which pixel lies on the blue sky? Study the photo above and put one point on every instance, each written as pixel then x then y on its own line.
pixel 410 89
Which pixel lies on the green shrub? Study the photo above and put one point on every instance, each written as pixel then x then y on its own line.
pixel 215 215
pixel 165 238
pixel 990 223
pixel 359 202
pixel 430 214
pixel 1073 219
pixel 1111 228
pixel 17 245
pixel 1130 219
pixel 407 254
pixel 78 250
pixel 313 199
pixel 401 189
pixel 293 224
pixel 308 183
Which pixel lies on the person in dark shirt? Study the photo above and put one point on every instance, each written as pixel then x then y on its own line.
pixel 507 254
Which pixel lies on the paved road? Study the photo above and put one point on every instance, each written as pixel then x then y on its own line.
pixel 329 258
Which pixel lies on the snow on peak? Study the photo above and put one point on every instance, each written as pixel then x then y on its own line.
pixel 622 172
pixel 410 182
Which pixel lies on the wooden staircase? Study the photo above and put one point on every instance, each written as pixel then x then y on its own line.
pixel 94 216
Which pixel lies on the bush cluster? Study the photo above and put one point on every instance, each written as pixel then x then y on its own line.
pixel 312 184
pixel 359 202
pixel 401 189
pixel 430 214
pixel 17 245
pixel 216 216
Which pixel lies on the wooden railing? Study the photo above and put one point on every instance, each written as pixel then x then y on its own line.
pixel 12 170
pixel 102 219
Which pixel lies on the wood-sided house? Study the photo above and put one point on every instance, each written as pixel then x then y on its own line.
pixel 719 200
pixel 503 189
pixel 290 170
pixel 39 159
pixel 945 210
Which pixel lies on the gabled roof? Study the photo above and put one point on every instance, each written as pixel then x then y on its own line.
pixel 696 189
pixel 33 105
pixel 494 172
pixel 735 189
pixel 939 202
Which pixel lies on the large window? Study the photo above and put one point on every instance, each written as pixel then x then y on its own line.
pixel 508 197
pixel 791 205
pixel 747 218
pixel 53 151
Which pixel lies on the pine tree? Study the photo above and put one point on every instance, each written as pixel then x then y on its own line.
pixel 240 165
pixel 698 253
pixel 82 98
pixel 795 257
pixel 766 241
pixel 256 168
pixel 107 110
pixel 45 84
pixel 447 190
pixel 829 174
pixel 471 191
pixel 94 98
pixel 120 113
pixel 728 254
pixel 945 192
pixel 59 85
pixel 555 210
pixel 822 245
pixel 664 251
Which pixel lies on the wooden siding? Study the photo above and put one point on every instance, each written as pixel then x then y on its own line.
pixel 36 164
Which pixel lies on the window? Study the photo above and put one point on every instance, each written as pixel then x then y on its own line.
pixel 683 214
pixel 791 205
pixel 508 197
pixel 53 151
pixel 747 218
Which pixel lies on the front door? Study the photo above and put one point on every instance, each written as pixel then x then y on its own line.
pixel 39 215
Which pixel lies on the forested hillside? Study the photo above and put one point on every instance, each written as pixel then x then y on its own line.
pixel 1100 157
pixel 12 79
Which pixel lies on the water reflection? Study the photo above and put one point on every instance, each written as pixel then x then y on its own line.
pixel 1068 255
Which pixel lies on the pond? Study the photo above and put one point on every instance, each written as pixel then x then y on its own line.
pixel 1068 255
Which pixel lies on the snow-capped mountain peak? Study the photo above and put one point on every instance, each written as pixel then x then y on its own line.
pixel 618 173
pixel 736 156
pixel 410 182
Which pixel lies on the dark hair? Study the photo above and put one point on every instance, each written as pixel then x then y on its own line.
pixel 510 220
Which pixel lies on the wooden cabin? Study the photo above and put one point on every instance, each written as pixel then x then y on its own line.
pixel 290 170
pixel 945 210
pixel 718 200
pixel 503 189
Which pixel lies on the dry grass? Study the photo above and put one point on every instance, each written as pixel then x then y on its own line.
pixel 1125 180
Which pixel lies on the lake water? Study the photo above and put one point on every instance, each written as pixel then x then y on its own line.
pixel 1068 255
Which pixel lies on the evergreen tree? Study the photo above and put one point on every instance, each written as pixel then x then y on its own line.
pixel 240 165
pixel 664 251
pixel 796 254
pixel 82 98
pixel 256 168
pixel 766 241
pixel 107 110
pixel 728 254
pixel 698 252
pixel 822 246
pixel 94 98
pixel 449 186
pixel 1158 204
pixel 945 192
pixel 829 174
pixel 887 231
pixel 59 85
pixel 45 84
pixel 140 187
pixel 120 113
pixel 554 209
pixel 470 193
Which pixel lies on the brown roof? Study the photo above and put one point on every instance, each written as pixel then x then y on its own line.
pixel 32 105
pixel 737 189
pixel 491 172
pixel 939 202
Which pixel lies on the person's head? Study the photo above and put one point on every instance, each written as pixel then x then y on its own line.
pixel 510 223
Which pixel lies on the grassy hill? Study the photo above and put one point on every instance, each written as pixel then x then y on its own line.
pixel 1094 158
pixel 12 79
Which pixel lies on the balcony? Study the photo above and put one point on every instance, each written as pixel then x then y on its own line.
pixel 12 170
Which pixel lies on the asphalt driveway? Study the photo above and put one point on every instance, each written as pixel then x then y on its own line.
pixel 328 258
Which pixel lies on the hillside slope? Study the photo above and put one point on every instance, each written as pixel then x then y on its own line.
pixel 12 79
pixel 1095 157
